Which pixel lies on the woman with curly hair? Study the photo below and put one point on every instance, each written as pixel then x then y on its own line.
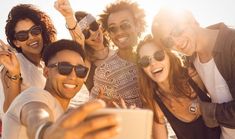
pixel 28 31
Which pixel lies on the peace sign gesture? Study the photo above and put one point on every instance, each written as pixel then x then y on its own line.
pixel 9 59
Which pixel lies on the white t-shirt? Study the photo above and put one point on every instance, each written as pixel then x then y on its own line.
pixel 12 127
pixel 32 76
pixel 217 88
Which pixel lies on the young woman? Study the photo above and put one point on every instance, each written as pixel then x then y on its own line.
pixel 169 91
pixel 96 44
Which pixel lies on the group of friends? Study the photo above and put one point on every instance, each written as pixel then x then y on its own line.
pixel 183 72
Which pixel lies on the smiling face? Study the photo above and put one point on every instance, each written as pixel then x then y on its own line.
pixel 158 67
pixel 96 38
pixel 34 44
pixel 122 29
pixel 64 87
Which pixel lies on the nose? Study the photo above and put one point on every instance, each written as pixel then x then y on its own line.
pixel 72 75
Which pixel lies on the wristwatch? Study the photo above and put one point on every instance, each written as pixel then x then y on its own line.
pixel 15 77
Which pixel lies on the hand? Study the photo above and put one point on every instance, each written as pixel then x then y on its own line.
pixel 75 124
pixel 9 59
pixel 64 7
pixel 108 100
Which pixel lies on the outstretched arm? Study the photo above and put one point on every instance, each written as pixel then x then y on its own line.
pixel 73 124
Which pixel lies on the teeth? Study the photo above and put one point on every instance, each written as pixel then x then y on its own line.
pixel 71 86
pixel 122 39
pixel 157 70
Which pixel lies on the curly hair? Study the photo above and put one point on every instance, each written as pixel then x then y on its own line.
pixel 133 7
pixel 28 11
pixel 178 77
pixel 79 15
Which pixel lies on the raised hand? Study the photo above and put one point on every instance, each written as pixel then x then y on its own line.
pixel 9 59
pixel 64 7
pixel 76 124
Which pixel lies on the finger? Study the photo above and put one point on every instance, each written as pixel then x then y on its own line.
pixel 123 103
pixel 104 134
pixel 101 93
pixel 133 106
pixel 4 46
pixel 77 115
pixel 98 123
pixel 115 104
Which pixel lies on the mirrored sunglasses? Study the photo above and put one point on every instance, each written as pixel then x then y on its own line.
pixel 65 68
pixel 93 27
pixel 124 26
pixel 24 35
pixel 145 60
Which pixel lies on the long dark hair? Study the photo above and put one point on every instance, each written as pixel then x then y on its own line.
pixel 28 11
pixel 178 77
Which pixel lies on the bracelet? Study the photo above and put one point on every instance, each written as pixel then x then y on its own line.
pixel 41 129
pixel 71 28
pixel 15 77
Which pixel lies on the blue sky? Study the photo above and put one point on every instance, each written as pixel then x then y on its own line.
pixel 206 11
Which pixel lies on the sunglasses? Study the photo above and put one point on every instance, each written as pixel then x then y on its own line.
pixel 124 26
pixel 93 27
pixel 176 32
pixel 64 68
pixel 145 60
pixel 24 35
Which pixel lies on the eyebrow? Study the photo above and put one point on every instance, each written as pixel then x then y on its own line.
pixel 125 20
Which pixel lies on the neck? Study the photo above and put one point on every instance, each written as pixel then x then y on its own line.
pixel 63 102
pixel 165 87
pixel 127 54
pixel 206 44
pixel 35 59
pixel 101 54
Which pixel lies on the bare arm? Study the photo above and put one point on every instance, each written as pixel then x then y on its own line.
pixel 10 75
pixel 64 7
pixel 72 124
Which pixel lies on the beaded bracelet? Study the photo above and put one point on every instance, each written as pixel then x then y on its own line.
pixel 15 77
pixel 71 28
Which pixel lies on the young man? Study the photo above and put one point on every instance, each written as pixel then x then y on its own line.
pixel 39 114
pixel 213 49
pixel 124 22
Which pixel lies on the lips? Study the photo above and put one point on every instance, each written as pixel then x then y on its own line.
pixel 34 44
pixel 157 70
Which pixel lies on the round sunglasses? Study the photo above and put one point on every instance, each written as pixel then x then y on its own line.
pixel 93 27
pixel 124 26
pixel 65 68
pixel 145 60
pixel 24 35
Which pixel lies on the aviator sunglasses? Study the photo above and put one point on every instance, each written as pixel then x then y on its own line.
pixel 145 60
pixel 93 27
pixel 24 35
pixel 124 26
pixel 65 68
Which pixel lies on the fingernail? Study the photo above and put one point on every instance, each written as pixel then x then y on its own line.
pixel 101 102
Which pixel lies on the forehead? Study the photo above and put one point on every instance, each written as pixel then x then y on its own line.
pixel 24 24
pixel 148 49
pixel 120 16
pixel 67 56
pixel 162 29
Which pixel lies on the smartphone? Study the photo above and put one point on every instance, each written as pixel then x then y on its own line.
pixel 86 21
pixel 135 123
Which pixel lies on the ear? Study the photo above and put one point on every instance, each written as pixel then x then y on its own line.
pixel 16 43
pixel 45 72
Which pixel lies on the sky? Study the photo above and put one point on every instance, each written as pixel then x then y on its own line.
pixel 206 12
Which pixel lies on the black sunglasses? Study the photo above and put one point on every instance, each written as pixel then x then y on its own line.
pixel 94 26
pixel 24 35
pixel 145 60
pixel 124 26
pixel 65 68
